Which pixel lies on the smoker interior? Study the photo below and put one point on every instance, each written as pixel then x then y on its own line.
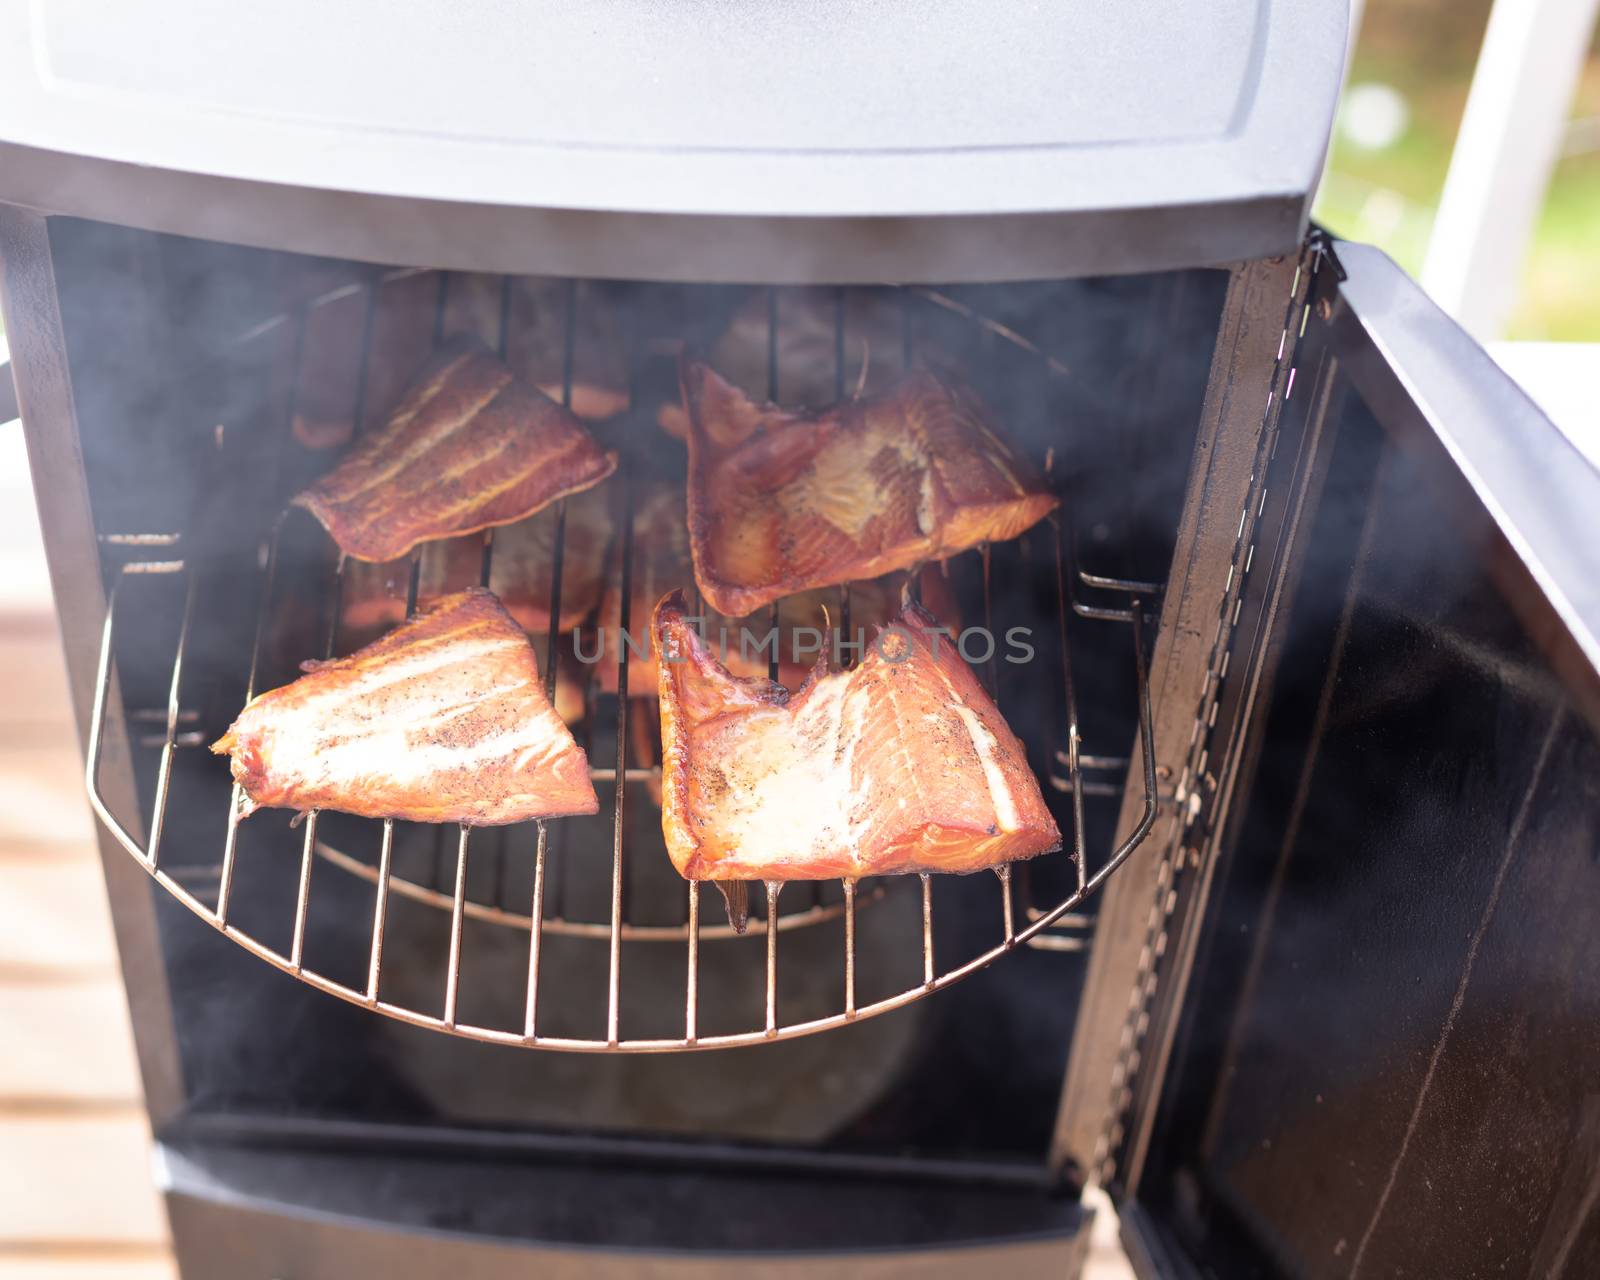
pixel 208 380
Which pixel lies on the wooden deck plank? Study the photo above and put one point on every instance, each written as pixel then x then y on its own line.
pixel 42 803
pixel 67 1043
pixel 108 1264
pixel 55 922
pixel 77 1179
pixel 34 690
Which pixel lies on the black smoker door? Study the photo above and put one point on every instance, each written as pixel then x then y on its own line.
pixel 1387 1061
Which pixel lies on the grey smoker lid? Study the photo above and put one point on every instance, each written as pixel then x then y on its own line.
pixel 700 139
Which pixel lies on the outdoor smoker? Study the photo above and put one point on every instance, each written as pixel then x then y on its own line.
pixel 1313 987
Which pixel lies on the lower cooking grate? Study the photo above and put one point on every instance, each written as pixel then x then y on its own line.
pixel 537 908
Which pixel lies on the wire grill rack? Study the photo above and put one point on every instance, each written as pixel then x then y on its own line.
pixel 820 907
pixel 1018 920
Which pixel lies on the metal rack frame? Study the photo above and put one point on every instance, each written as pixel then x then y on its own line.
pixel 1034 930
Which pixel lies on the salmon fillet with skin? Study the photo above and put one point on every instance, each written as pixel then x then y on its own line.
pixel 541 346
pixel 662 563
pixel 522 565
pixel 468 446
pixel 445 719
pixel 782 501
pixel 373 602
pixel 808 350
pixel 900 764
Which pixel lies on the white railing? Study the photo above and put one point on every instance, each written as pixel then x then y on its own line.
pixel 1507 148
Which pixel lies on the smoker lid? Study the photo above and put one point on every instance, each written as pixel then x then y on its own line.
pixel 706 139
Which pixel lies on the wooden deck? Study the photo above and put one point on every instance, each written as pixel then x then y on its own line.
pixel 76 1197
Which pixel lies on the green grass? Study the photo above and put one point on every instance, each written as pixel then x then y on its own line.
pixel 1560 300
pixel 1390 197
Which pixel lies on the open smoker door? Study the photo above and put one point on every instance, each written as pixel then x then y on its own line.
pixel 1363 1030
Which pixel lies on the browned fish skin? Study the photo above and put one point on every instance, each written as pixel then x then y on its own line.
pixel 521 568
pixel 539 338
pixel 468 446
pixel 782 501
pixel 900 764
pixel 661 563
pixel 442 720
pixel 524 563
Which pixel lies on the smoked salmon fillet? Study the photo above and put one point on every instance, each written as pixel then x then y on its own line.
pixel 373 603
pixel 900 764
pixel 540 345
pixel 522 564
pixel 782 501
pixel 468 446
pixel 806 621
pixel 443 720
pixel 808 348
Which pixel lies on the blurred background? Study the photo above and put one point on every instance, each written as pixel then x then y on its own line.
pixel 1406 92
